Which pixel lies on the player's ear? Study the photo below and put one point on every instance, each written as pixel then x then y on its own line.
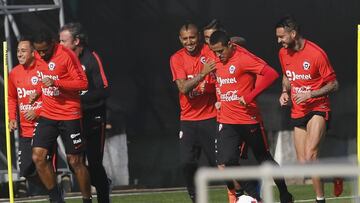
pixel 293 34
pixel 230 44
pixel 77 41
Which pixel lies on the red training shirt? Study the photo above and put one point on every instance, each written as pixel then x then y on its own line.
pixel 23 82
pixel 62 101
pixel 237 78
pixel 199 103
pixel 307 70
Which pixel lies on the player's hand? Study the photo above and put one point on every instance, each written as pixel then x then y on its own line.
pixel 284 99
pixel 30 115
pixel 209 66
pixel 33 97
pixel 48 82
pixel 302 97
pixel 218 105
pixel 12 125
pixel 242 101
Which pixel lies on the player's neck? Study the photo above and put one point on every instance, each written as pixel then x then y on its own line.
pixel 299 44
pixel 78 50
pixel 28 65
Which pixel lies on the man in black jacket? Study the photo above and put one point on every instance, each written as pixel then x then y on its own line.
pixel 93 103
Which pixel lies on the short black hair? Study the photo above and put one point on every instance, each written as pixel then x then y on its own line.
pixel 289 23
pixel 43 36
pixel 188 25
pixel 28 38
pixel 214 24
pixel 219 36
pixel 77 31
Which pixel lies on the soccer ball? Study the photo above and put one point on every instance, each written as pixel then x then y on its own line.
pixel 246 199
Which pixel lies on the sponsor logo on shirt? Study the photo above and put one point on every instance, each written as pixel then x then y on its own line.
pixel 26 107
pixel 292 76
pixel 302 89
pixel 42 75
pixel 224 81
pixel 306 65
pixel 51 91
pixel 51 66
pixel 230 96
pixel 232 69
pixel 22 92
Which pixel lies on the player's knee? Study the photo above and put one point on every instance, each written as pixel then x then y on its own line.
pixel 38 156
pixel 75 161
pixel 311 156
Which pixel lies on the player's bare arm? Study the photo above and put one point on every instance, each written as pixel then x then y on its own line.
pixel 33 97
pixel 285 96
pixel 326 89
pixel 186 85
pixel 12 125
pixel 242 101
pixel 48 82
pixel 30 115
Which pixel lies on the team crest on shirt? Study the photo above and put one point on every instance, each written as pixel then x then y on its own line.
pixel 203 59
pixel 232 69
pixel 306 65
pixel 51 66
pixel 34 80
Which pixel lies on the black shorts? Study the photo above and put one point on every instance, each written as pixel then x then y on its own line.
pixel 303 121
pixel 233 136
pixel 27 166
pixel 48 130
pixel 196 136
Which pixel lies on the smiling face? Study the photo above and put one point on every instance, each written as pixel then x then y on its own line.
pixel 67 40
pixel 286 37
pixel 25 53
pixel 44 49
pixel 189 38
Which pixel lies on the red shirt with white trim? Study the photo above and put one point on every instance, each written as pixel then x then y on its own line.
pixel 307 70
pixel 198 104
pixel 23 81
pixel 62 101
pixel 237 78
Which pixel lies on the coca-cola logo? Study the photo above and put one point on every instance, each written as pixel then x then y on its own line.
pixel 230 96
pixel 51 91
pixel 26 107
pixel 302 89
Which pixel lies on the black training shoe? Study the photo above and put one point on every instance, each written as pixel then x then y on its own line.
pixel 320 201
